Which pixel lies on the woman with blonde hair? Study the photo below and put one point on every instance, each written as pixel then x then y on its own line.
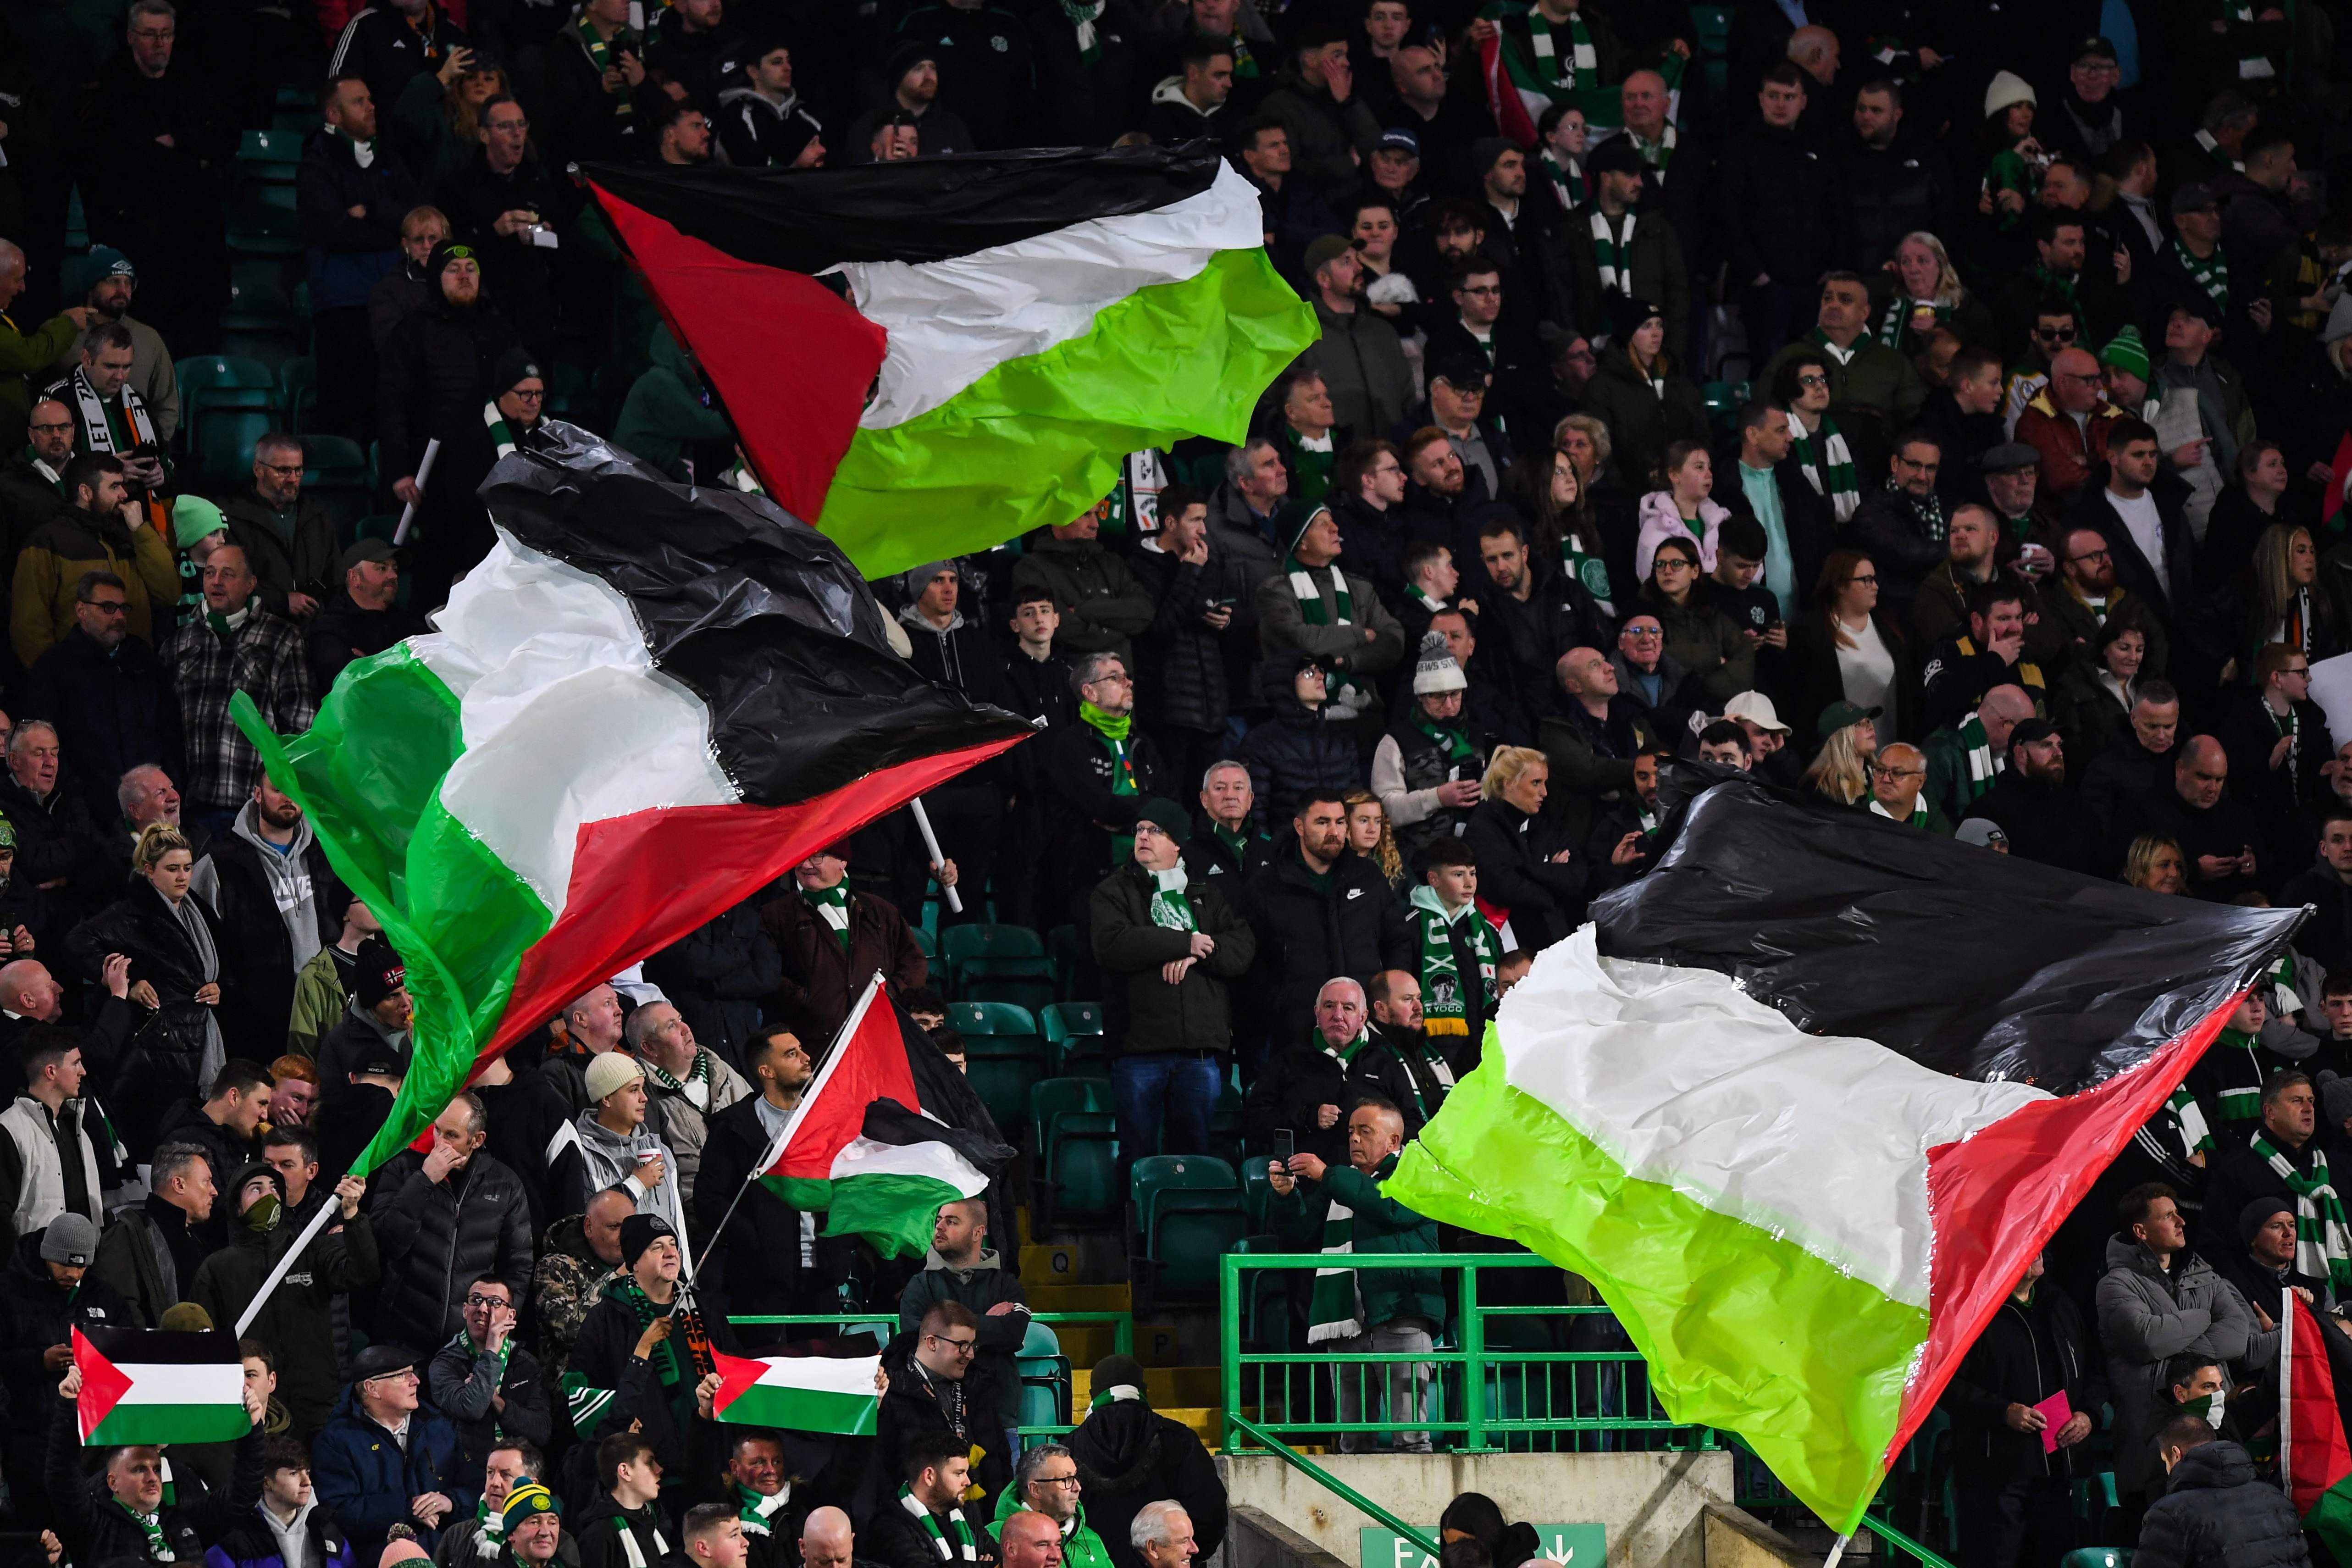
pixel 1370 835
pixel 172 942
pixel 435 123
pixel 1526 868
pixel 1841 771
pixel 1928 294
pixel 2287 601
pixel 2156 864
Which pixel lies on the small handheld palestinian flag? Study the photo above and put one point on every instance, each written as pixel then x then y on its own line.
pixel 647 702
pixel 811 1392
pixel 1803 1112
pixel 931 357
pixel 150 1385
pixel 863 1148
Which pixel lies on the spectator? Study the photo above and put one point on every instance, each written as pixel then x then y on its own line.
pixel 769 1252
pixel 2215 1509
pixel 150 1255
pixel 1528 861
pixel 512 1466
pixel 1874 392
pixel 928 1518
pixel 1801 388
pixel 1847 649
pixel 1902 525
pixel 1180 946
pixel 1131 1460
pixel 763 123
pixel 531 1526
pixel 236 647
pixel 45 1293
pixel 355 196
pixel 1182 661
pixel 960 1268
pixel 629 1370
pixel 1358 355
pixel 615 1148
pixel 364 618
pixel 287 538
pixel 223 1124
pixel 1592 740
pixel 622 1528
pixel 104 281
pixel 1459 947
pixel 2278 1156
pixel 1047 1485
pixel 404 291
pixel 1701 639
pixel 2070 428
pixel 363 1057
pixel 2031 804
pixel 1766 482
pixel 1333 617
pixel 23 355
pixel 288 1528
pixel 1101 604
pixel 1898 777
pixel 1320 909
pixel 667 416
pixel 1195 101
pixel 830 939
pixel 123 1510
pixel 98 529
pixel 912 74
pixel 1376 1312
pixel 31 486
pixel 1426 769
pixel 1303 1087
pixel 1162 1536
pixel 1961 668
pixel 268 882
pixel 1301 749
pixel 106 692
pixel 583 1255
pixel 448 1217
pixel 48 1163
pixel 324 985
pixel 1228 839
pixel 1401 1062
pixel 691 1083
pixel 1777 212
pixel 385 1458
pixel 1641 393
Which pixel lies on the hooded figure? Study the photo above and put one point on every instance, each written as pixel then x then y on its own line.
pixel 1129 1455
pixel 1299 753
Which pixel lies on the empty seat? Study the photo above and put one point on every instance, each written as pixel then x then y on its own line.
pixel 1003 1055
pixel 1074 1031
pixel 1076 1135
pixel 1188 1214
pixel 997 963
pixel 1045 1378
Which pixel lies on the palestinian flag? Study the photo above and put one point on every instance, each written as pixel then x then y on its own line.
pixel 809 1392
pixel 864 1147
pixel 647 702
pixel 931 357
pixel 2315 1438
pixel 148 1385
pixel 1808 1099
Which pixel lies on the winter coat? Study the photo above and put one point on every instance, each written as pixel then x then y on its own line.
pixel 601 1158
pixel 1281 627
pixel 461 1382
pixel 1886 528
pixel 1885 194
pixel 1378 1226
pixel 754 133
pixel 298 1321
pixel 918 1401
pixel 2148 1316
pixel 1874 396
pixel 1541 899
pixel 1324 132
pixel 1074 777
pixel 1301 1075
pixel 1192 1015
pixel 667 414
pixel 517 273
pixel 438 1237
pixel 49 572
pixel 819 981
pixel 715 976
pixel 1103 606
pixel 586 121
pixel 1082 103
pixel 756 1257
pixel 254 891
pixel 1180 678
pixel 1813 681
pixel 347 256
pixel 165 1057
pixel 1662 521
pixel 1362 364
pixel 1081 1547
pixel 309 563
pixel 684 1124
pixel 960 656
pixel 1129 1455
pixel 367 1477
pixel 2217 1512
pixel 348 1113
pixel 112 710
pixel 2029 1350
pixel 604 1522
pixel 1407 768
pixel 380 46
pixel 892 1539
pixel 984 1285
pixel 251 1542
pixel 432 379
pixel 1777 212
pixel 342 632
pixel 1296 753
pixel 1703 640
pixel 95 1529
pixel 2134 572
pixel 1310 931
pixel 1642 422
pixel 1592 758
pixel 37 1312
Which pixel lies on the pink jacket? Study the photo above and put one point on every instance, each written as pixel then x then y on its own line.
pixel 1661 521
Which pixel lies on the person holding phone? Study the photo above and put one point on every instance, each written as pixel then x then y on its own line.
pixel 490 1385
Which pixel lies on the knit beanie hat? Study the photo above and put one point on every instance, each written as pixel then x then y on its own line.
pixel 920 577
pixel 528 1499
pixel 1434 669
pixel 638 1232
pixel 610 1071
pixel 2257 1214
pixel 402 1549
pixel 378 971
pixel 1302 516
pixel 1118 1378
pixel 515 364
pixel 192 517
pixel 2127 353
pixel 2008 88
pixel 70 1240
pixel 2334 1099
pixel 1168 816
pixel 186 1318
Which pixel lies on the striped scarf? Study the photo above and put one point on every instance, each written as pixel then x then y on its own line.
pixel 1444 990
pixel 831 907
pixel 2323 1244
pixel 2212 274
pixel 2243 1101
pixel 2290 729
pixel 1896 324
pixel 1614 252
pixel 1982 763
pixel 962 1550
pixel 502 439
pixel 627 1532
pixel 1082 17
pixel 604 55
pixel 152 1523
pixel 489 1529
pixel 1169 911
pixel 695 1085
pixel 1556 71
pixel 1334 1311
pixel 1567 180
pixel 756 1509
pixel 1827 463
pixel 2194 1135
pixel 1311 609
pixel 1658 153
pixel 97 431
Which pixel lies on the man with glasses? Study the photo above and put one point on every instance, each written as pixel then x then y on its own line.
pixel 2069 425
pixel 2279 749
pixel 2085 597
pixel 114 707
pixel 2055 326
pixel 288 538
pixel 1989 651
pixel 931 1393
pixel 486 1383
pixel 1898 784
pixel 502 201
pixel 2059 272
pixel 1504 345
pixel 1873 390
pixel 32 487
pixel 962 1268
pixel 1046 1482
pixel 1903 526
pixel 384 1459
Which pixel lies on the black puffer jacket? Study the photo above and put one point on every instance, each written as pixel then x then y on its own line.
pixel 1517 872
pixel 1180 665
pixel 298 1321
pixel 37 1312
pixel 1642 424
pixel 2216 1513
pixel 715 976
pixel 438 1236
pixel 1351 925
pixel 1127 1456
pixel 112 713
pixel 1192 1015
pixel 433 381
pixel 1776 209
pixel 162 1061
pixel 1294 753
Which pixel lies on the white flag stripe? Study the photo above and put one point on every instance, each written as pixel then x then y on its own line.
pixel 183 1382
pixel 865 1157
pixel 951 322
pixel 824 1374
pixel 1687 1080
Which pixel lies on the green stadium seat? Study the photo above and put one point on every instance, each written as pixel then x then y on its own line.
pixel 268 154
pixel 1003 1055
pixel 298 391
pixel 1063 951
pixel 1188 1214
pixel 1076 1136
pixel 1225 1126
pixel 997 963
pixel 226 403
pixel 2098 1557
pixel 261 322
pixel 76 224
pixel 1046 1380
pixel 1257 1188
pixel 262 222
pixel 335 470
pixel 1074 1031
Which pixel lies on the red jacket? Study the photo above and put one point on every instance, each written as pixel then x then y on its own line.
pixel 2069 452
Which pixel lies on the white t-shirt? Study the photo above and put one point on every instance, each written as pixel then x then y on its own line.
pixel 1866 670
pixel 2146 525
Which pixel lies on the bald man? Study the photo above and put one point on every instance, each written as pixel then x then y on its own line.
pixel 1030 1540
pixel 2217 832
pixel 2068 423
pixel 1304 1090
pixel 826 1540
pixel 1965 759
pixel 1814 51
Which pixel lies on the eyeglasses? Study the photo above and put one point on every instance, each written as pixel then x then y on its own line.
pixel 1812 380
pixel 961 1347
pixel 1069 1480
pixel 1870 578
pixel 486 1302
pixel 2302 669
pixel 1644 632
pixel 527 396
pixel 2092 555
pixel 109 606
pixel 1113 680
pixel 2055 335
pixel 1481 289
pixel 52 428
pixel 285 471
pixel 1897 772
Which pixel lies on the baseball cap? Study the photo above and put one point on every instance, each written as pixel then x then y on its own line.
pixel 1838 715
pixel 2192 196
pixel 1757 710
pixel 1397 138
pixel 1324 249
pixel 377 550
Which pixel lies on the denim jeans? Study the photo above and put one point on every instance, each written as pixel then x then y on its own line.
pixel 1164 1102
pixel 1400 1390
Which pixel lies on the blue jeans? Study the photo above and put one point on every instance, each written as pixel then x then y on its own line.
pixel 1164 1103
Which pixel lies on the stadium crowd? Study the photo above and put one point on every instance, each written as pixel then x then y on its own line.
pixel 1781 386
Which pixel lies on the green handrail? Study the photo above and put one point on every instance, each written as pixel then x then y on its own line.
pixel 1876 1524
pixel 1332 1483
pixel 1122 1324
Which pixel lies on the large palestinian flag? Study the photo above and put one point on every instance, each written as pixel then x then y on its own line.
pixel 647 703
pixel 929 357
pixel 147 1385
pixel 866 1148
pixel 1811 1096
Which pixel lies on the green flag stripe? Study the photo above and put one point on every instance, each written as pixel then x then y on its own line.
pixel 1040 439
pixel 2330 1518
pixel 368 772
pixel 804 1409
pixel 129 1423
pixel 1740 1327
pixel 893 1212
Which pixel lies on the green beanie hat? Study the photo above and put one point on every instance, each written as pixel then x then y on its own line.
pixel 192 517
pixel 2126 353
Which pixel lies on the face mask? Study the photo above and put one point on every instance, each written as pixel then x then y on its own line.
pixel 2206 1407
pixel 263 1215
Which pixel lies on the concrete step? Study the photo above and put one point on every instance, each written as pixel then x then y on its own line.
pixel 1086 1343
pixel 1207 1423
pixel 1075 1297
pixel 1078 1261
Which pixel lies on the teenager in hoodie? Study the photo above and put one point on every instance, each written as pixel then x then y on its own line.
pixel 624 1528
pixel 288 1528
pixel 614 1148
pixel 761 121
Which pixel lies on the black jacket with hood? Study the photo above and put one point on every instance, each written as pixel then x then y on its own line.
pixel 1128 1455
pixel 1295 754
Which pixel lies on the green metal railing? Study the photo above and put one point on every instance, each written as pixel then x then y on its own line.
pixel 1122 1324
pixel 1329 1482
pixel 1473 1390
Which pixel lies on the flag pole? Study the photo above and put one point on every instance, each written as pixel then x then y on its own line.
pixel 775 1152
pixel 333 1206
pixel 931 842
pixel 2286 1390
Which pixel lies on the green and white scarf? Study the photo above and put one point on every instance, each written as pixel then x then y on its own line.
pixel 2290 729
pixel 2213 274
pixel 1919 817
pixel 832 906
pixel 362 150
pixel 1827 463
pixel 1334 1311
pixel 1559 71
pixel 1614 252
pixel 1589 570
pixel 1311 609
pixel 2190 1116
pixel 962 1551
pixel 1982 765
pixel 1450 739
pixel 604 55
pixel 1658 153
pixel 1169 911
pixel 1117 1394
pixel 1567 180
pixel 630 1550
pixel 1896 322
pixel 489 1529
pixel 502 439
pixel 1082 17
pixel 97 430
pixel 695 1085
pixel 1445 992
pixel 2323 1244
pixel 2240 1101
pixel 1114 729
pixel 152 1523
pixel 755 1509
